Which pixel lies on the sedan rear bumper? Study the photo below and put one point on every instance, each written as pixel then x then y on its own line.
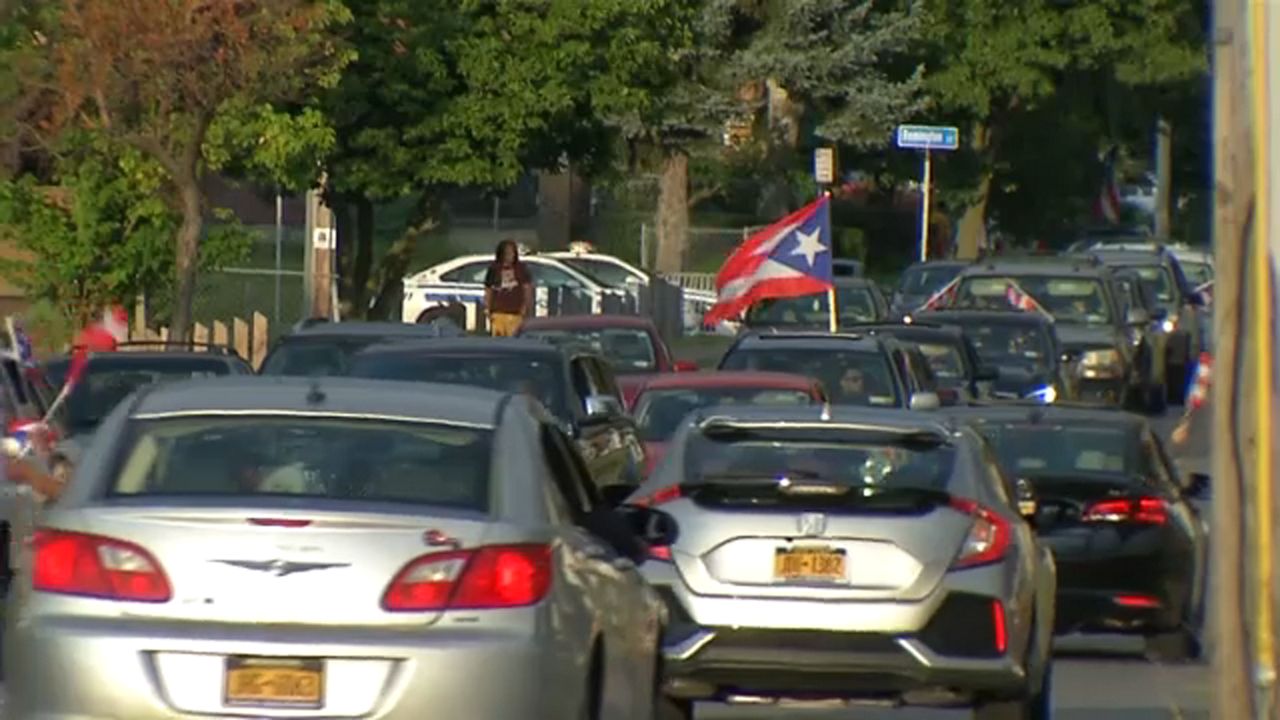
pixel 78 668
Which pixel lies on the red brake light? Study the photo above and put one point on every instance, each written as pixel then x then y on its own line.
pixel 73 563
pixel 1144 511
pixel 498 576
pixel 279 522
pixel 664 495
pixel 988 539
pixel 660 552
pixel 1001 632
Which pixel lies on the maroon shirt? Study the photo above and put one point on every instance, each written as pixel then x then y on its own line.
pixel 506 284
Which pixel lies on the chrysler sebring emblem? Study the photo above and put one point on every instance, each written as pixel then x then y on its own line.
pixel 812 524
pixel 280 568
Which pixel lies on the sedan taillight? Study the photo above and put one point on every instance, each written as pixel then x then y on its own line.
pixel 496 576
pixel 1143 511
pixel 72 563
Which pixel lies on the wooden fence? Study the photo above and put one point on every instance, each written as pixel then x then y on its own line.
pixel 250 339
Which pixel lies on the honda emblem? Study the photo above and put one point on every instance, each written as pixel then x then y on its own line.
pixel 812 524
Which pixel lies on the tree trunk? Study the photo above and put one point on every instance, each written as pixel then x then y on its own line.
pixel 387 281
pixel 673 213
pixel 972 232
pixel 187 255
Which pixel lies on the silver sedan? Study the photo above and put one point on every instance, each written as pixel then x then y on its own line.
pixel 848 553
pixel 285 548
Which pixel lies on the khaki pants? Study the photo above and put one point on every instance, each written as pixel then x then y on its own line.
pixel 504 324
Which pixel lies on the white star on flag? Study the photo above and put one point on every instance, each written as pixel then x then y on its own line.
pixel 808 245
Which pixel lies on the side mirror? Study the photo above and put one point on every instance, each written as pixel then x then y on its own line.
pixel 655 528
pixel 602 407
pixel 925 401
pixel 1199 485
pixel 685 366
pixel 616 494
pixel 1026 498
pixel 986 374
pixel 1137 316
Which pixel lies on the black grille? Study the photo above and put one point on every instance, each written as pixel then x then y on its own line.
pixel 810 640
pixel 964 626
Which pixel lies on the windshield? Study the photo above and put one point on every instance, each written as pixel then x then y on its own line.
pixel 1063 450
pixel 1159 280
pixel 325 458
pixel 927 280
pixel 606 273
pixel 323 357
pixel 1070 300
pixel 851 377
pixel 658 412
pixel 855 305
pixel 1016 345
pixel 768 459
pixel 1197 273
pixel 628 350
pixel 945 361
pixel 508 372
pixel 109 380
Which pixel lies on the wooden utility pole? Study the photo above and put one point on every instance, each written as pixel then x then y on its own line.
pixel 321 239
pixel 1246 199
pixel 1164 177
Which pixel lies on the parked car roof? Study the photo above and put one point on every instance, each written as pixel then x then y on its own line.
pixel 728 378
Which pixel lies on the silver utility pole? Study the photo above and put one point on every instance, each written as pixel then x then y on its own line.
pixel 279 252
pixel 926 201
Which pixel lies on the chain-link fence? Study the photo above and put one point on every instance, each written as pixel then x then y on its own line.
pixel 707 248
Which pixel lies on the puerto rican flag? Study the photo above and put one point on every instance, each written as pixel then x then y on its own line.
pixel 1107 206
pixel 790 258
pixel 102 336
pixel 1022 300
pixel 942 298
pixel 1199 391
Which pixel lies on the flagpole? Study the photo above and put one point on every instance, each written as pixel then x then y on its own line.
pixel 833 318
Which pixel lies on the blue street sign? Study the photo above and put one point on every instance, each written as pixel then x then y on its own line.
pixel 928 137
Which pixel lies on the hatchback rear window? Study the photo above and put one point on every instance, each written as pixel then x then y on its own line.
pixel 321 458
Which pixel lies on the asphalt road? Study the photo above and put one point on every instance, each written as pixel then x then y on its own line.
pixel 1095 678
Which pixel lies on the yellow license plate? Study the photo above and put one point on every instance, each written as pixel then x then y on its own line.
pixel 274 682
pixel 818 563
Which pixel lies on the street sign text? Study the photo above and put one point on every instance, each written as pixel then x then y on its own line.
pixel 928 137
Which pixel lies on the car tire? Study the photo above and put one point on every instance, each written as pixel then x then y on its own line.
pixel 665 708
pixel 1037 706
pixel 1177 646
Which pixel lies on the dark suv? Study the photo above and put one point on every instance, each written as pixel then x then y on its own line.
pixel 856 368
pixel 1176 310
pixel 1113 359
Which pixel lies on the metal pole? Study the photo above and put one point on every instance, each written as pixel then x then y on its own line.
pixel 308 255
pixel 279 252
pixel 832 322
pixel 925 200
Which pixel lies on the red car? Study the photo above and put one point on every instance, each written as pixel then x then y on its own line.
pixel 664 401
pixel 630 342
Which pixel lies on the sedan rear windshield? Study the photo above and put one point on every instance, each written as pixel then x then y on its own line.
pixel 1051 450
pixel 322 357
pixel 659 412
pixel 850 377
pixel 539 377
pixel 628 350
pixel 855 305
pixel 1070 300
pixel 321 458
pixel 112 379
pixel 1016 345
pixel 756 469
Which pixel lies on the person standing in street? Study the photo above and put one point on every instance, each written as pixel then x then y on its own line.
pixel 508 291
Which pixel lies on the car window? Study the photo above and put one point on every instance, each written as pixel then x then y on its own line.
pixel 1070 300
pixel 318 357
pixel 607 273
pixel 552 277
pixel 1075 451
pixel 1159 282
pixel 850 377
pixel 538 376
pixel 1198 273
pixel 583 384
pixel 658 413
pixel 945 360
pixel 473 272
pixel 1019 345
pixel 855 305
pixel 321 458
pixel 628 349
pixel 111 379
pixel 602 378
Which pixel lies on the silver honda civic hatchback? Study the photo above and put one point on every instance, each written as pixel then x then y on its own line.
pixel 856 554
pixel 285 548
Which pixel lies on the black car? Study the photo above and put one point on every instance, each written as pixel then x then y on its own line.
pixel 855 368
pixel 112 376
pixel 325 348
pixel 1129 544
pixel 1176 311
pixel 920 281
pixel 1094 330
pixel 1020 349
pixel 858 300
pixel 951 357
pixel 574 384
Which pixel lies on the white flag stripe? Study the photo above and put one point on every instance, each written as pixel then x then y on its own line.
pixel 768 270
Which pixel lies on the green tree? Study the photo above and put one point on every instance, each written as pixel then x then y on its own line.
pixel 475 93
pixel 159 76
pixel 99 232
